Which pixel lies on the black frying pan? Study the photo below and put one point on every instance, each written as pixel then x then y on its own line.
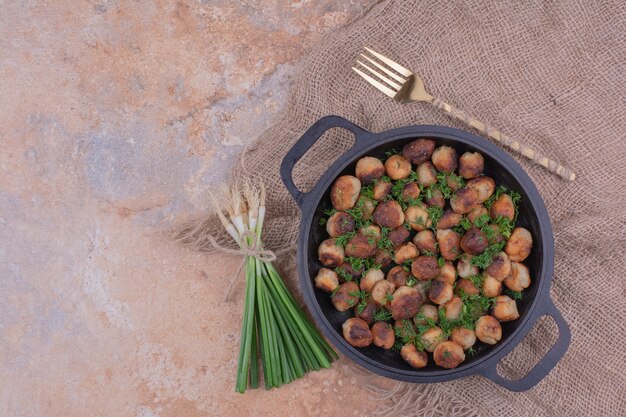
pixel 533 216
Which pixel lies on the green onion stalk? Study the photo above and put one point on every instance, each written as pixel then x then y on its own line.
pixel 274 331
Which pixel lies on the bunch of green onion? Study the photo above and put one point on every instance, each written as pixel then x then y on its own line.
pixel 274 328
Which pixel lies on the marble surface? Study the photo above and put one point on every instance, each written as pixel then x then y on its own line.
pixel 116 118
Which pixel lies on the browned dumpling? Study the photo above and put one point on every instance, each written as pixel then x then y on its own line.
pixel 464 337
pixel 474 241
pixel 405 303
pixel 454 182
pixel 445 159
pixel 503 207
pixel 426 174
pixel 429 311
pixel 368 207
pixel 449 354
pixel 425 268
pixel 416 358
pixel 389 214
pixel 449 244
pixel 404 252
pixel 361 246
pixel 410 192
pixel 447 273
pixel 342 298
pixel 422 287
pixel 330 254
pixel 326 280
pixel 519 244
pixel 398 276
pixel 436 199
pixel 419 150
pixel 417 216
pixel 383 335
pixel 398 235
pixel 382 292
pixel 483 186
pixel 471 165
pixel 463 200
pixel 339 223
pixel 519 278
pixel 370 279
pixel 381 190
pixel 488 330
pixel 505 308
pixel 449 219
pixel 500 267
pixel 431 338
pixel 467 287
pixel 345 192
pixel 440 292
pixel 464 266
pixel 425 241
pixel 383 258
pixel 397 167
pixel 491 286
pixel 366 313
pixel 369 169
pixel 476 212
pixel 357 332
pixel 371 231
pixel 453 308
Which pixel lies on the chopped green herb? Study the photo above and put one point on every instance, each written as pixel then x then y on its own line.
pixel 360 293
pixel 463 226
pixel 441 261
pixel 345 238
pixel 505 225
pixel 382 315
pixel 446 354
pixel 407 264
pixel 342 273
pixel 477 280
pixel 444 324
pixel 323 221
pixel 332 294
pixel 482 221
pixel 484 259
pixel 389 297
pixel 516 295
pixel 434 214
pixel 361 306
pixel 411 281
pixel 405 332
pixel 471 351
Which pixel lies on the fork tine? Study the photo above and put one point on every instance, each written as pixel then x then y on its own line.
pixel 381 76
pixel 379 86
pixel 388 72
pixel 392 64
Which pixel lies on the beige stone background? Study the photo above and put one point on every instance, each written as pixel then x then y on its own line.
pixel 116 118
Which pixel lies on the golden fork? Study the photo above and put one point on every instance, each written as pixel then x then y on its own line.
pixel 407 87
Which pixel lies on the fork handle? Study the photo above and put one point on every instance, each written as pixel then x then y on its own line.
pixel 497 135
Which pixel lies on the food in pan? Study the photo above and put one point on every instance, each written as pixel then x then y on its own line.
pixel 423 254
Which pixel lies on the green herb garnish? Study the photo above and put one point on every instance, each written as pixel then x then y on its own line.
pixel 382 315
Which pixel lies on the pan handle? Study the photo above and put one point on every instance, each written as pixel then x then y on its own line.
pixel 545 365
pixel 304 144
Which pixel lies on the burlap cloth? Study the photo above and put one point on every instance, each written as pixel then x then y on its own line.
pixel 550 74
